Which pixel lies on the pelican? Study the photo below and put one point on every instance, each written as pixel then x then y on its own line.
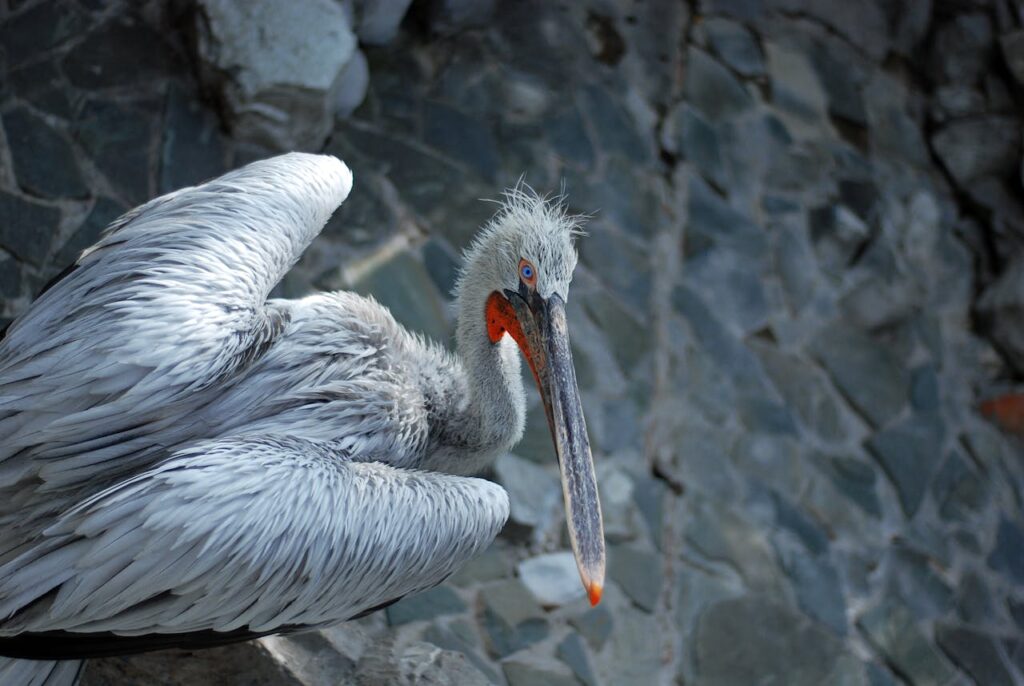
pixel 185 462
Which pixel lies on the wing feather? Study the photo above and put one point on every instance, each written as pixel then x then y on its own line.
pixel 249 534
pixel 101 372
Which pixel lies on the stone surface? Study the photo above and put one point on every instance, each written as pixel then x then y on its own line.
pixel 512 619
pixel 276 68
pixel 638 573
pixel 755 640
pixel 1008 554
pixel 27 229
pixel 971 149
pixel 573 652
pixel 426 605
pixel 909 452
pixel 870 376
pixel 533 491
pixel 735 45
pixel 44 162
pixel 892 631
pixel 418 663
pixel 712 89
pixel 552 578
pixel 977 653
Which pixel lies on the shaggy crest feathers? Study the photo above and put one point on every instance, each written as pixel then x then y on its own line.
pixel 527 225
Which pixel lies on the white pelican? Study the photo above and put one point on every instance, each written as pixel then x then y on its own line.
pixel 186 463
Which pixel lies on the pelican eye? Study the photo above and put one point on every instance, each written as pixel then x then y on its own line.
pixel 527 273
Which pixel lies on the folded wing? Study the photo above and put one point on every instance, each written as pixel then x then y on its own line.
pixel 242 537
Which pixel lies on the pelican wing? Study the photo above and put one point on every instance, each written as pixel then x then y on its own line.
pixel 100 376
pixel 240 537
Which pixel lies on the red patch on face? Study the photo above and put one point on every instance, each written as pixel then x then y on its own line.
pixel 501 319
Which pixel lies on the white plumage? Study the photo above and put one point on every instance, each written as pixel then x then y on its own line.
pixel 181 457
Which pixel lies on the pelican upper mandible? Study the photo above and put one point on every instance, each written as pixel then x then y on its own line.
pixel 184 462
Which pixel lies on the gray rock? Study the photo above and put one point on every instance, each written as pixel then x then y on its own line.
pixel 249 663
pixel 734 285
pixel 842 82
pixel 634 655
pixel 804 390
pixel 753 639
pixel 712 89
pixel 912 577
pixel 735 45
pixel 118 139
pixel 761 414
pixel 27 227
pixel 837 234
pixel 536 670
pixel 650 494
pixel 552 578
pixel 618 504
pixel 569 137
pixel 698 143
pixel 573 652
pixel 1000 307
pixel 877 303
pixel 41 85
pixel 455 638
pixel 10 278
pixel 977 147
pixel 712 222
pixel 452 16
pixel 39 29
pixel 103 212
pixel 909 453
pixel 817 588
pixel 731 356
pixel 442 264
pixel 532 490
pixel 974 600
pixel 44 162
pixel 191 149
pixel 853 479
pixel 961 47
pixel 976 653
pixel 958 489
pixel 142 56
pixel 595 625
pixel 871 376
pixel 892 631
pixel 404 287
pixel 721 535
pixel 512 619
pixel 429 604
pixel 353 83
pixel 490 565
pixel 1007 556
pixel 627 336
pixel 379 20
pixel 909 20
pixel 276 68
pixel 417 663
pixel 624 266
pixel 796 266
pixel 638 573
pixel 796 88
pixel 613 125
pixel 461 137
pixel 865 25
pixel 1012 44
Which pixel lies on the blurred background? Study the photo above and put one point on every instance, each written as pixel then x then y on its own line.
pixel 797 319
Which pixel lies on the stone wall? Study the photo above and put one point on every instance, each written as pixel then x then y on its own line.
pixel 802 275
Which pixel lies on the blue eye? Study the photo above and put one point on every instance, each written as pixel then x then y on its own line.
pixel 527 271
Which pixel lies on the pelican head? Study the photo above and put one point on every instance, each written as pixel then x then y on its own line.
pixel 519 270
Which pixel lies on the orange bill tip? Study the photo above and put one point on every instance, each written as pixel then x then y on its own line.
pixel 594 591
